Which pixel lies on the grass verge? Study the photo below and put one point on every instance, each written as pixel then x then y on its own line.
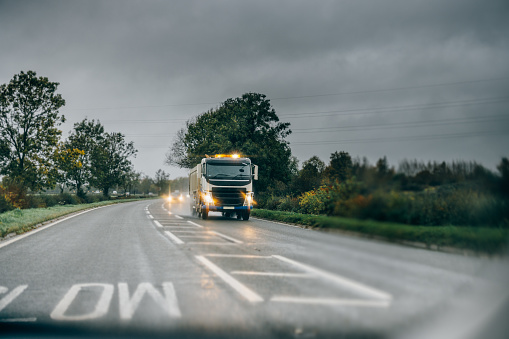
pixel 477 239
pixel 21 221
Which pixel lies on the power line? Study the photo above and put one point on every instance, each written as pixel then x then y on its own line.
pixel 390 109
pixel 388 139
pixel 299 96
pixel 392 89
pixel 408 124
pixel 404 138
pixel 348 112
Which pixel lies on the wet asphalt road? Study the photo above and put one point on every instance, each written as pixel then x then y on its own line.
pixel 149 268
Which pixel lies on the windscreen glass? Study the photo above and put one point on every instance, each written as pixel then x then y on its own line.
pixel 239 171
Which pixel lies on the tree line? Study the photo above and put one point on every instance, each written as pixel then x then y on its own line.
pixel 33 156
pixel 432 193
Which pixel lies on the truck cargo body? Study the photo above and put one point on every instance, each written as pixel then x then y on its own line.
pixel 223 184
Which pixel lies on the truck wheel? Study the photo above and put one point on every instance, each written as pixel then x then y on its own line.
pixel 239 216
pixel 245 216
pixel 204 214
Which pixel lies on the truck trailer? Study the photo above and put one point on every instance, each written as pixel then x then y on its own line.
pixel 223 183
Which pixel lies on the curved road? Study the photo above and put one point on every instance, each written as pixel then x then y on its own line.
pixel 148 268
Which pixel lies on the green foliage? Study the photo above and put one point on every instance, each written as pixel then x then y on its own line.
pixel 110 164
pixel 74 157
pixel 340 167
pixel 247 125
pixel 310 177
pixel 162 181
pixel 29 118
pixel 315 201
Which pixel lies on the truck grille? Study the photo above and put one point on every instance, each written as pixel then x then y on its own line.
pixel 226 196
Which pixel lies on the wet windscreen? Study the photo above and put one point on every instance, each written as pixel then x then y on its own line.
pixel 240 171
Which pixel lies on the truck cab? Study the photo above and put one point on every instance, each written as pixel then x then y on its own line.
pixel 223 183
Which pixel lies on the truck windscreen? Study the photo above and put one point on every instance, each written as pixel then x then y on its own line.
pixel 233 171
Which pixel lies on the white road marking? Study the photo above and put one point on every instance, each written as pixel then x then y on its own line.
pixel 101 307
pixel 332 301
pixel 128 305
pixel 209 243
pixel 174 238
pixel 164 208
pixel 195 224
pixel 274 274
pixel 157 223
pixel 18 320
pixel 183 227
pixel 281 223
pixel 235 284
pixel 183 231
pixel 11 295
pixel 339 280
pixel 146 211
pixel 169 213
pixel 150 216
pixel 247 256
pixel 197 236
pixel 178 217
pixel 27 234
pixel 227 237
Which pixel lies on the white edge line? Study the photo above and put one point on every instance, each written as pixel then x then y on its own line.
pixel 227 237
pixel 195 224
pixel 22 236
pixel 174 238
pixel 332 301
pixel 157 223
pixel 210 243
pixel 373 292
pixel 178 217
pixel 150 216
pixel 281 223
pixel 248 256
pixel 274 274
pixel 234 283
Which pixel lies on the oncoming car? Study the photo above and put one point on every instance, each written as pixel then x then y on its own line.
pixel 176 198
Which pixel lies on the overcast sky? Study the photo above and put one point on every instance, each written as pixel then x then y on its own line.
pixel 423 79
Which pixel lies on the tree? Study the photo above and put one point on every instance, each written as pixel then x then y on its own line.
pixel 162 181
pixel 29 118
pixel 83 139
pixel 248 125
pixel 503 168
pixel 110 162
pixel 310 176
pixel 340 166
pixel 69 162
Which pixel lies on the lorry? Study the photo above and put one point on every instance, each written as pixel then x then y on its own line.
pixel 223 183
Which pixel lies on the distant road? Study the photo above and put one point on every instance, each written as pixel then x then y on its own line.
pixel 147 268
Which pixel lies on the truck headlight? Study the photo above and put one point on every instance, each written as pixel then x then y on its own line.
pixel 207 197
pixel 249 199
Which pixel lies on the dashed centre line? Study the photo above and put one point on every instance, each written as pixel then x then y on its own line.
pixel 174 238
